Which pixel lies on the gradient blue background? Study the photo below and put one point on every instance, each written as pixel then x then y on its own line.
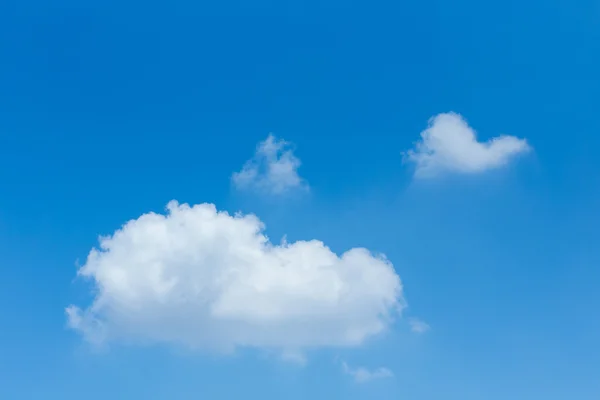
pixel 109 109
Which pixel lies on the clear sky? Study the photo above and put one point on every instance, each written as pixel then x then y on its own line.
pixel 374 200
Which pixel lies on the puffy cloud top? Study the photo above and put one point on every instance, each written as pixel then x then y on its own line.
pixel 202 278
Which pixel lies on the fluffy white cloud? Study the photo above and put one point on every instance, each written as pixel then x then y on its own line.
pixel 450 144
pixel 363 375
pixel 418 326
pixel 272 170
pixel 205 279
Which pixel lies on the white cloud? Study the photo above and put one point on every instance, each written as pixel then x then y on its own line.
pixel 418 326
pixel 363 375
pixel 204 279
pixel 450 144
pixel 272 170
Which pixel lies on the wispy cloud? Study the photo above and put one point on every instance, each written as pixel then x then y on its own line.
pixel 449 144
pixel 418 326
pixel 273 169
pixel 294 357
pixel 363 375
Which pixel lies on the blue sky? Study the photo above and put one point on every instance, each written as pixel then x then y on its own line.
pixel 109 110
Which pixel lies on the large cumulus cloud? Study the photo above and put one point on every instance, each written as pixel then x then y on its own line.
pixel 202 278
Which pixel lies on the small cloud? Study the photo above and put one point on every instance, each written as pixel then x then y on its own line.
pixel 294 357
pixel 364 375
pixel 449 144
pixel 272 170
pixel 418 326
